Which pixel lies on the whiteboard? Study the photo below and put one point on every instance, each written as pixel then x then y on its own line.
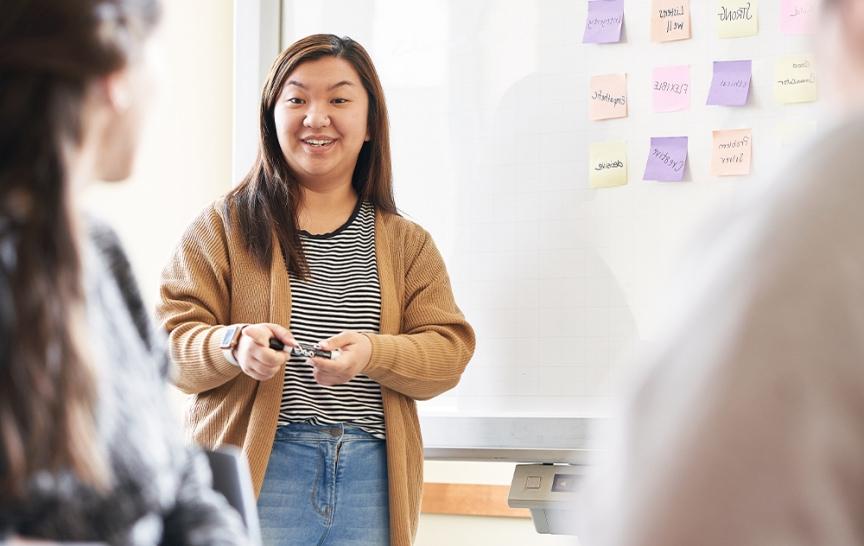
pixel 488 105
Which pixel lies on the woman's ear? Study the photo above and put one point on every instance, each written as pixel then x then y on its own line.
pixel 117 90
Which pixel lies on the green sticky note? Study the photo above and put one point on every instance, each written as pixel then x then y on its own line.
pixel 608 164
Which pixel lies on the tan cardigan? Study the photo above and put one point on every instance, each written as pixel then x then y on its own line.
pixel 424 344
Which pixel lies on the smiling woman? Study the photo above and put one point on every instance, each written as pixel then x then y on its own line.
pixel 309 248
pixel 321 122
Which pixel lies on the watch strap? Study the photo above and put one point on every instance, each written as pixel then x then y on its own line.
pixel 228 352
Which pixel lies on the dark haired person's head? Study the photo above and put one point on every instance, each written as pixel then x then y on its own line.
pixel 72 79
pixel 300 75
pixel 840 45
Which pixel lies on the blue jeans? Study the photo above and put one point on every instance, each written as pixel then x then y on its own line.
pixel 325 485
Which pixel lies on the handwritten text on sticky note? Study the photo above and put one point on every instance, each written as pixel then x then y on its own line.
pixel 670 20
pixel 603 23
pixel 731 152
pixel 608 164
pixel 608 96
pixel 795 79
pixel 797 16
pixel 667 158
pixel 737 18
pixel 670 87
pixel 731 83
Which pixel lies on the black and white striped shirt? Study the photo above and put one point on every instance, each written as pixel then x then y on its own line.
pixel 341 293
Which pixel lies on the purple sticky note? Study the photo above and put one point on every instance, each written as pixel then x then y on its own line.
pixel 731 83
pixel 666 159
pixel 603 24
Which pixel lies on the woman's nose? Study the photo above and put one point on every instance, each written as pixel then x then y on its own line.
pixel 316 118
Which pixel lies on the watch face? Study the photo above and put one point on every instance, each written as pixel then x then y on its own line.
pixel 228 338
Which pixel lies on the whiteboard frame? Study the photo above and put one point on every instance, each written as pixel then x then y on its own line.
pixel 546 440
pixel 256 39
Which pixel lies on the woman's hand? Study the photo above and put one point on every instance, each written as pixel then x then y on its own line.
pixel 355 352
pixel 256 358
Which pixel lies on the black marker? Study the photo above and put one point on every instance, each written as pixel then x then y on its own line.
pixel 305 349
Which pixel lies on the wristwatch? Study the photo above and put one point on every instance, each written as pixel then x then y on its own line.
pixel 230 340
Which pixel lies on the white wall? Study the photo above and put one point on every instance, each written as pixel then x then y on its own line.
pixel 185 158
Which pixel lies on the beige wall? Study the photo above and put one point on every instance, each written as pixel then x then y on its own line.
pixel 185 157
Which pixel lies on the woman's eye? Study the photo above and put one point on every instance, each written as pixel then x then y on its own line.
pixel 295 100
pixel 340 101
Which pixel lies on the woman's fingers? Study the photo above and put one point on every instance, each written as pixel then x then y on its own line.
pixel 283 334
pixel 256 358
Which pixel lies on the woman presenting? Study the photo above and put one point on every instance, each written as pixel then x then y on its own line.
pixel 310 249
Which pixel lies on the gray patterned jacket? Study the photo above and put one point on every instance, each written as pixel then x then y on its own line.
pixel 160 492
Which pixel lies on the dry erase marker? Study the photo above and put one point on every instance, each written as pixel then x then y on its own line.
pixel 305 349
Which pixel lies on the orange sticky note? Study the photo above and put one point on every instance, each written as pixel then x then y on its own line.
pixel 670 20
pixel 608 96
pixel 731 152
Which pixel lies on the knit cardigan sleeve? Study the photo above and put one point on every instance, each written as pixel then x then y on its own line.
pixel 195 304
pixel 436 342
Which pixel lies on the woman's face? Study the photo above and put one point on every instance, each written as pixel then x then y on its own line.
pixel 130 91
pixel 320 119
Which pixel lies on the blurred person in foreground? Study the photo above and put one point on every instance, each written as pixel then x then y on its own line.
pixel 89 450
pixel 748 425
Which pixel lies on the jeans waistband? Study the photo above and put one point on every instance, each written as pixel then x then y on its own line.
pixel 308 431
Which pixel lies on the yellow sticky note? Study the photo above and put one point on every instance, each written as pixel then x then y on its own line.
pixel 608 96
pixel 731 152
pixel 795 79
pixel 608 164
pixel 737 18
pixel 670 20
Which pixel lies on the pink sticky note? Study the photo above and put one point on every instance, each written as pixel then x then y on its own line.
pixel 671 88
pixel 608 96
pixel 670 20
pixel 797 16
pixel 731 152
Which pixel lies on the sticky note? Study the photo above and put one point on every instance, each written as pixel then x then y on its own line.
pixel 795 79
pixel 603 23
pixel 731 83
pixel 670 20
pixel 608 96
pixel 608 164
pixel 667 158
pixel 798 16
pixel 731 152
pixel 737 18
pixel 671 88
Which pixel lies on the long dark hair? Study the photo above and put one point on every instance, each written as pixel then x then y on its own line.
pixel 50 52
pixel 269 195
